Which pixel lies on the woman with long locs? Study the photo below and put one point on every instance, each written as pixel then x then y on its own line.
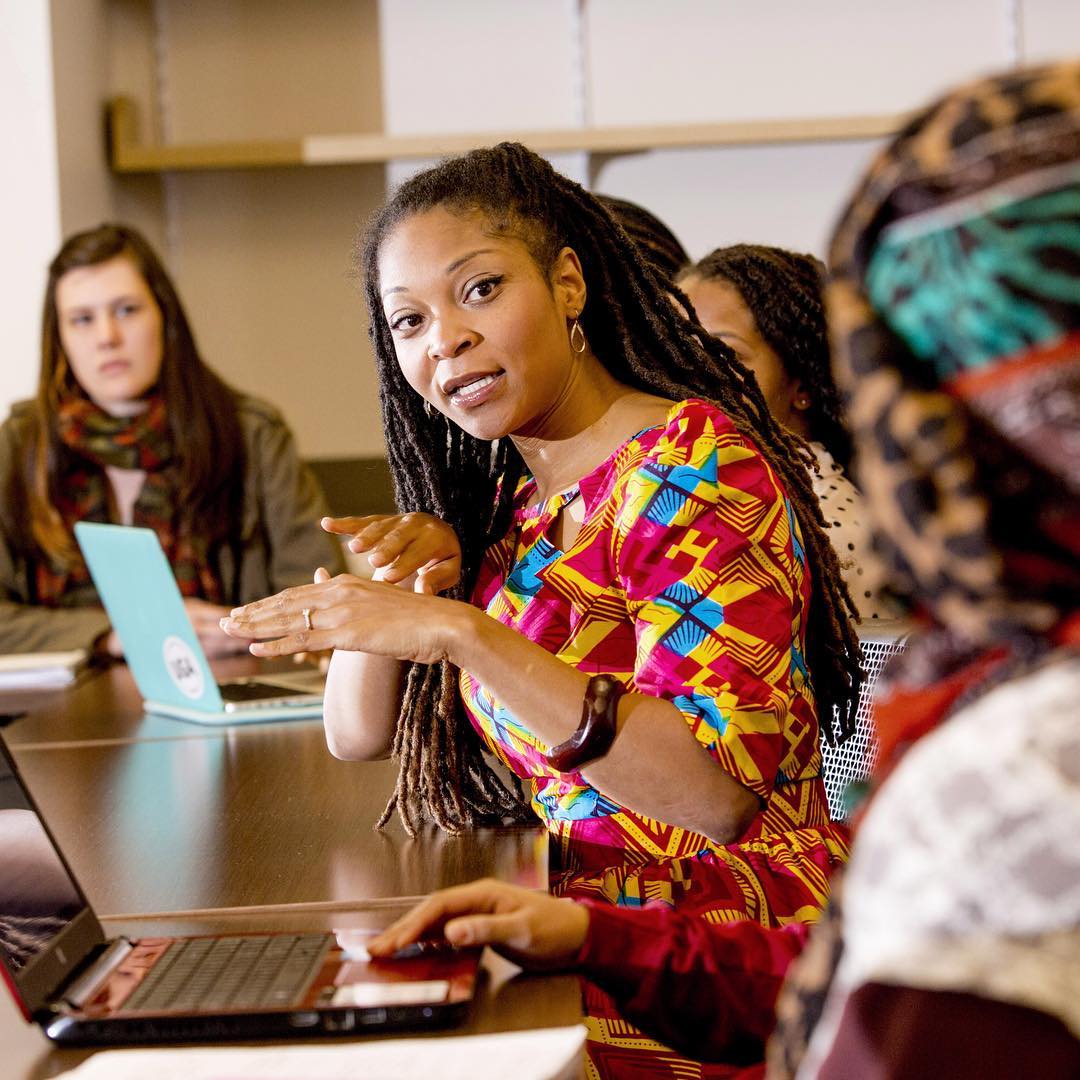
pixel 609 570
pixel 951 945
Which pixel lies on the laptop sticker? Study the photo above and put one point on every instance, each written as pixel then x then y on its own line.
pixel 183 667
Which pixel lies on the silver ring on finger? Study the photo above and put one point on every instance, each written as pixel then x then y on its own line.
pixel 307 618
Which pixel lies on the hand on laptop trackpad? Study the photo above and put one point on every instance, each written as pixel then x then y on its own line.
pixel 206 622
pixel 353 943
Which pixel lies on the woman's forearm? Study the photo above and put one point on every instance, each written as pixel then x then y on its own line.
pixel 654 767
pixel 361 705
pixel 706 990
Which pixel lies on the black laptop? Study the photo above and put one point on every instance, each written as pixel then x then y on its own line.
pixel 85 989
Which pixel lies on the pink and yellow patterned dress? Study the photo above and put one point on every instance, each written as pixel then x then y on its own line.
pixel 686 581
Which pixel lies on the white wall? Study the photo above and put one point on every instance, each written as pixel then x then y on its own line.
pixel 483 65
pixel 702 60
pixel 699 61
pixel 55 177
pixel 30 206
pixel 1048 29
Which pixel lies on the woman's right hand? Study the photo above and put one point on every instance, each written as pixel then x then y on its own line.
pixel 401 545
pixel 532 929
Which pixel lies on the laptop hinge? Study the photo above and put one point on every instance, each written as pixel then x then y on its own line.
pixel 88 983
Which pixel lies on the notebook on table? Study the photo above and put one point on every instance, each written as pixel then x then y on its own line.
pixel 40 670
pixel 140 594
pixel 83 988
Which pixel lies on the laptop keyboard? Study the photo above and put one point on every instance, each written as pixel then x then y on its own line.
pixel 240 692
pixel 267 971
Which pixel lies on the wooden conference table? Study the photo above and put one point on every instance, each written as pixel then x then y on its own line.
pixel 176 827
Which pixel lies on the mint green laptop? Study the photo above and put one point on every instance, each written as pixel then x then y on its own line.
pixel 137 587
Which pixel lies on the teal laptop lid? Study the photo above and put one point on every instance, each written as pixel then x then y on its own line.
pixel 137 587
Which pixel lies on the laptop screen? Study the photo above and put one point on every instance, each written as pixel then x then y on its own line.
pixel 47 928
pixel 38 898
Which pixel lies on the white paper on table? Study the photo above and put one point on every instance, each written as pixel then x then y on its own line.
pixel 30 671
pixel 542 1054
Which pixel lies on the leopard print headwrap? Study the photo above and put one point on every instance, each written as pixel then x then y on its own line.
pixel 954 305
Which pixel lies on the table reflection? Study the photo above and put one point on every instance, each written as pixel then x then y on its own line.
pixel 254 819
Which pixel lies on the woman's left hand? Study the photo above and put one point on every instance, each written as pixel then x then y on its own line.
pixel 348 613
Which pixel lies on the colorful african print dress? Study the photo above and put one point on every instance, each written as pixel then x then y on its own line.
pixel 686 581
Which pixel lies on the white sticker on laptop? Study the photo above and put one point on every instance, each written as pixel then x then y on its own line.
pixel 183 666
pixel 370 994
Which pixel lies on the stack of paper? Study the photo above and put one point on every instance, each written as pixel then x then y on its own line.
pixel 544 1054
pixel 31 671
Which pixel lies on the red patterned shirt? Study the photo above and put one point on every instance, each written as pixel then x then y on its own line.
pixel 687 581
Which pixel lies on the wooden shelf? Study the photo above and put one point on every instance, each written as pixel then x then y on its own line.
pixel 129 155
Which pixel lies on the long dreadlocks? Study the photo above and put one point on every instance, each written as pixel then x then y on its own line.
pixel 644 341
pixel 783 290
pixel 657 242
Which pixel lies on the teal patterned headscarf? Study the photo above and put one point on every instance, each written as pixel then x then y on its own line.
pixel 955 310
pixel 985 281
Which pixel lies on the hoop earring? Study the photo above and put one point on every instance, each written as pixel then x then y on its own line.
pixel 576 329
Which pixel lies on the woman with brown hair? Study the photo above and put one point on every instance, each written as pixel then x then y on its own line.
pixel 131 426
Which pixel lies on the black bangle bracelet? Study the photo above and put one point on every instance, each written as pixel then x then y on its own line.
pixel 597 729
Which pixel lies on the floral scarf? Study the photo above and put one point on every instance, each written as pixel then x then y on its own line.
pixel 97 440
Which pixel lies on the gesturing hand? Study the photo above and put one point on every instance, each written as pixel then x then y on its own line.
pixel 532 929
pixel 400 545
pixel 345 612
